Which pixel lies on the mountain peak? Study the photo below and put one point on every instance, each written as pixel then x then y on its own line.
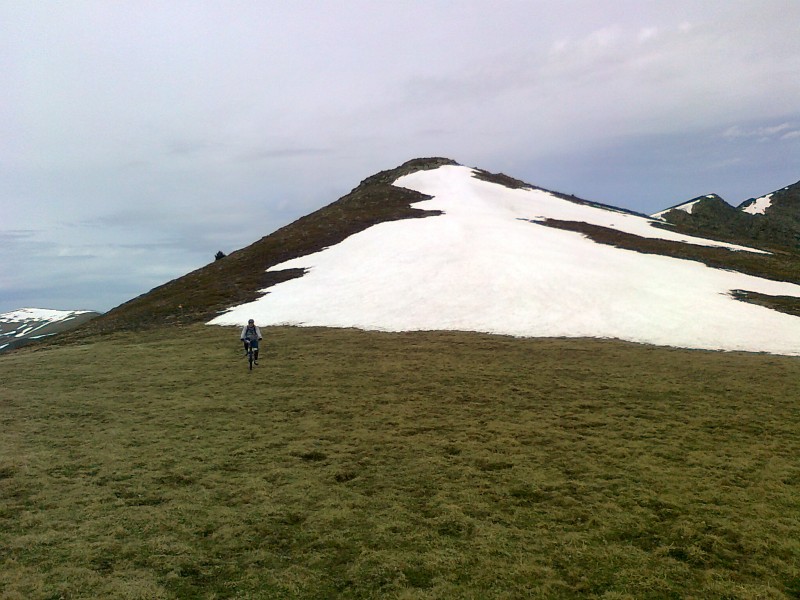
pixel 500 259
pixel 435 245
pixel 690 205
pixel 772 220
pixel 242 275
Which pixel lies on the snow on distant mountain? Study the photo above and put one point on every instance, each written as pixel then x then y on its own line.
pixel 757 206
pixel 781 204
pixel 19 327
pixel 687 207
pixel 490 263
pixel 771 221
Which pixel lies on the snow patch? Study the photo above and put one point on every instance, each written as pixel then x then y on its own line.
pixel 39 314
pixel 685 207
pixel 759 205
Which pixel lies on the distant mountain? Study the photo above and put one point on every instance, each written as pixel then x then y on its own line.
pixel 690 205
pixel 771 221
pixel 783 203
pixel 25 325
pixel 436 245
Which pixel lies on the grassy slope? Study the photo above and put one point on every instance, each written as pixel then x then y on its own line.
pixel 369 465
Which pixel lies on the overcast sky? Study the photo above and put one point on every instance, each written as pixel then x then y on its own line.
pixel 139 138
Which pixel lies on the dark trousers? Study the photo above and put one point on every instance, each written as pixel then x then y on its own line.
pixel 254 345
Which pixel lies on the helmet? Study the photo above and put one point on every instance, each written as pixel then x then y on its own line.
pixel 250 322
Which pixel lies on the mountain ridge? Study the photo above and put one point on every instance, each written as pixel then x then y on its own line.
pixel 505 260
pixel 772 221
pixel 200 294
pixel 271 263
pixel 27 325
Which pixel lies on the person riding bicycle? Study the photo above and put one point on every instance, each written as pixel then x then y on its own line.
pixel 251 336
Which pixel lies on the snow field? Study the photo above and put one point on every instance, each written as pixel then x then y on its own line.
pixel 486 265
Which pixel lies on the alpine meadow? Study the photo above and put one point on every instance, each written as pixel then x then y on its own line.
pixel 468 387
pixel 397 465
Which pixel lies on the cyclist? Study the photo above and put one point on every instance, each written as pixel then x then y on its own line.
pixel 251 336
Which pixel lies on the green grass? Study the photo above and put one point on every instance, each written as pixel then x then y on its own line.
pixel 418 465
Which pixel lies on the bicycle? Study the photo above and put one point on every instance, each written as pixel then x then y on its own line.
pixel 250 354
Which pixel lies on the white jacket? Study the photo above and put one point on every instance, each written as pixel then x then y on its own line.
pixel 253 334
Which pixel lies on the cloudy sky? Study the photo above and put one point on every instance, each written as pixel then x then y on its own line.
pixel 138 138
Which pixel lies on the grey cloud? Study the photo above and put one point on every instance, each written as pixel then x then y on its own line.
pixel 94 276
pixel 783 131
pixel 189 148
pixel 152 137
pixel 13 236
pixel 279 153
